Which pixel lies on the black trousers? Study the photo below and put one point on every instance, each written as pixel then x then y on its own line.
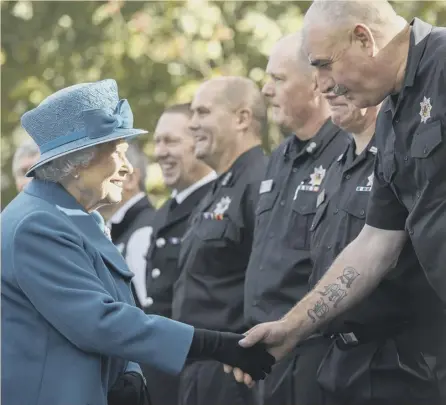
pixel 205 383
pixel 162 387
pixel 293 380
pixel 325 372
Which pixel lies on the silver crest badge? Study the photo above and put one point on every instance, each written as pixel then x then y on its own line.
pixel 317 176
pixel 222 206
pixel 425 111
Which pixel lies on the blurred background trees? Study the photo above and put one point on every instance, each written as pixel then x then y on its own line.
pixel 158 52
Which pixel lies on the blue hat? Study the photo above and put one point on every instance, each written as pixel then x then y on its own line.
pixel 78 117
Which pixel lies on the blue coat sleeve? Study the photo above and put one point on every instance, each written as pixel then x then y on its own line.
pixel 58 277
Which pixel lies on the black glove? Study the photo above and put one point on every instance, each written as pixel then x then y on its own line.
pixel 129 389
pixel 224 347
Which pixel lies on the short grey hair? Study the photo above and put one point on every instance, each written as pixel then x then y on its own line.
pixel 138 160
pixel 58 169
pixel 27 149
pixel 376 14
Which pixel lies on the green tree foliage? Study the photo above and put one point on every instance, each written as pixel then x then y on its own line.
pixel 157 51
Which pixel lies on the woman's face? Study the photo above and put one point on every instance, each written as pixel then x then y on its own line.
pixel 101 182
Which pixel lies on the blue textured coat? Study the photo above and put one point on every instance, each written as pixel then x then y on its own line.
pixel 69 324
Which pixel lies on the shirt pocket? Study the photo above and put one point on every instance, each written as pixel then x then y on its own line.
pixel 264 207
pixel 217 232
pixel 356 211
pixel 302 215
pixel 427 149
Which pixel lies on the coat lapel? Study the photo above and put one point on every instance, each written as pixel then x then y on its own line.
pixel 56 195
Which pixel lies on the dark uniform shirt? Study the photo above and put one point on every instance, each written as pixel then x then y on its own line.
pixel 280 265
pixel 215 251
pixel 340 217
pixel 409 190
pixel 169 226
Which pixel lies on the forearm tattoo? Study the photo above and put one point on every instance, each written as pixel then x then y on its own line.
pixel 333 293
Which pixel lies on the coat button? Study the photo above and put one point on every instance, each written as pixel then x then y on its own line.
pixel 335 211
pixel 149 301
pixel 347 177
pixel 160 242
pixel 156 273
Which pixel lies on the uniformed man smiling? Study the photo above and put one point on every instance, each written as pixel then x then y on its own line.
pixel 229 117
pixel 189 179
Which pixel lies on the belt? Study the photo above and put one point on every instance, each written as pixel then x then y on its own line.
pixel 361 334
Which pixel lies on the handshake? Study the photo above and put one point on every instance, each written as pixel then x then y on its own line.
pixel 251 356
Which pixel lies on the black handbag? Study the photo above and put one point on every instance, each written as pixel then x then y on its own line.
pixel 129 389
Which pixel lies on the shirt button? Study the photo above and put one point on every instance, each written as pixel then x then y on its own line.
pixel 160 242
pixel 149 301
pixel 347 177
pixel 156 273
pixel 282 203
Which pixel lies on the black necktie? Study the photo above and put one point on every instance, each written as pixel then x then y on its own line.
pixel 173 204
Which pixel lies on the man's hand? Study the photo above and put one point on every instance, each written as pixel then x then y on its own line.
pixel 279 337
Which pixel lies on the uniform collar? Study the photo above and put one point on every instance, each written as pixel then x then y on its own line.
pixel 349 157
pixel 119 215
pixel 419 35
pixel 418 40
pixel 314 146
pixel 245 159
pixel 180 196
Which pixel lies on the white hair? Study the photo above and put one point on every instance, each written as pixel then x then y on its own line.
pixel 27 149
pixel 58 169
pixel 139 160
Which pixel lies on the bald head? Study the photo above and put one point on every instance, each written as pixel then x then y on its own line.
pixel 377 15
pixel 292 90
pixel 229 117
pixel 289 50
pixel 237 93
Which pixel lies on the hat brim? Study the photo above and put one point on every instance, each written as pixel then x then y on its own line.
pixel 119 133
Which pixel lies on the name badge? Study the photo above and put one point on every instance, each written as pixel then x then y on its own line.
pixel 320 198
pixel 266 186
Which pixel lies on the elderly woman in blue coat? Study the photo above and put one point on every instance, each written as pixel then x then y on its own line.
pixel 70 330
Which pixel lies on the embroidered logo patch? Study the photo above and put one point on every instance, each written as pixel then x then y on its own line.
pixel 222 206
pixel 425 111
pixel 369 185
pixel 317 176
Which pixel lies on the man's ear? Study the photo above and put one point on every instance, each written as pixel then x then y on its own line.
pixel 362 35
pixel 244 118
